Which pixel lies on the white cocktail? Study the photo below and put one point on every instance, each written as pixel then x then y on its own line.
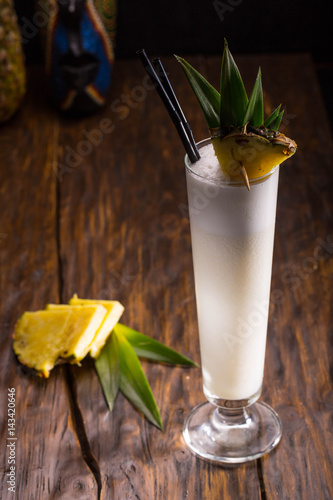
pixel 232 231
pixel 232 190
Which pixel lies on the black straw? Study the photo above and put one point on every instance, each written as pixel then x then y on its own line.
pixel 169 106
pixel 169 90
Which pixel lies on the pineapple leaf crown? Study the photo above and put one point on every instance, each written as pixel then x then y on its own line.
pixel 231 107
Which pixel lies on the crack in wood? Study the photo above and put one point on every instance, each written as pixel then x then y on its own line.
pixel 76 414
pixel 88 457
pixel 261 480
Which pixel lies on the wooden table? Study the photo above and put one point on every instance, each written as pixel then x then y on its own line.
pixel 105 218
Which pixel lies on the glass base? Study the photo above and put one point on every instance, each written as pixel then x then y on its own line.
pixel 232 436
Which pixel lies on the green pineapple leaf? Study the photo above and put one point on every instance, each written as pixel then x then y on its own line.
pixel 107 367
pixel 233 94
pixel 133 383
pixel 277 122
pixel 118 367
pixel 148 348
pixel 272 117
pixel 255 109
pixel 207 95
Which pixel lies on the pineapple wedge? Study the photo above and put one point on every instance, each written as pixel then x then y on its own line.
pixel 252 151
pixel 83 323
pixel 39 339
pixel 114 311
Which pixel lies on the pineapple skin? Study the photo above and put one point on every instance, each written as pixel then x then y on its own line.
pixel 12 68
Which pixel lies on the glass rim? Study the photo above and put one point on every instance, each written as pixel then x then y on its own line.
pixel 226 182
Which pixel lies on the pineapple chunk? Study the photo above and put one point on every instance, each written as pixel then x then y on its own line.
pixel 83 323
pixel 114 311
pixel 39 339
pixel 257 154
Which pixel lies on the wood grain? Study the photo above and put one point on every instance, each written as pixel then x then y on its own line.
pixel 301 323
pixel 110 222
pixel 49 462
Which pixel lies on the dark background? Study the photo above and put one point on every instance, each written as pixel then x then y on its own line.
pixel 199 26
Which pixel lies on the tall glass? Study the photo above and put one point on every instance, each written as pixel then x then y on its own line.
pixel 232 232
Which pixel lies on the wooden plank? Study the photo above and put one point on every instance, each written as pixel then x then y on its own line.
pixel 297 380
pixel 48 459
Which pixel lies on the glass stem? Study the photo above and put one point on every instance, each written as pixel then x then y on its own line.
pixel 231 416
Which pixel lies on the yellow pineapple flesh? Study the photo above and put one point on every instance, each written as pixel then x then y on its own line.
pixel 83 323
pixel 257 154
pixel 114 311
pixel 64 333
pixel 39 338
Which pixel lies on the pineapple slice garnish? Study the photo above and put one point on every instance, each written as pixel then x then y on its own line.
pixel 246 146
pixel 42 338
pixel 83 323
pixel 114 311
pixel 64 333
pixel 250 155
pixel 38 339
